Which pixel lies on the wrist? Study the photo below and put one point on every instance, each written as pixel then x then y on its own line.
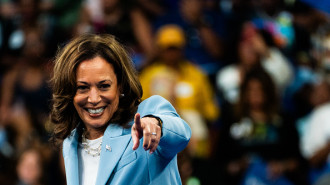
pixel 160 122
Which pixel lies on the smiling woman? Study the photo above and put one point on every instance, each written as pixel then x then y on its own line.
pixel 100 120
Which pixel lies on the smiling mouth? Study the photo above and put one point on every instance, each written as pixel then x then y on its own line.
pixel 96 111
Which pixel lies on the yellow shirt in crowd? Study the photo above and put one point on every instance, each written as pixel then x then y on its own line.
pixel 186 87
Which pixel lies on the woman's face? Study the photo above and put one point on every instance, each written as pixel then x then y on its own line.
pixel 97 95
pixel 109 5
pixel 29 167
pixel 247 55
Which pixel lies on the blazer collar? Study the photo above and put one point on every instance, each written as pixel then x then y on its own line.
pixel 70 151
pixel 114 143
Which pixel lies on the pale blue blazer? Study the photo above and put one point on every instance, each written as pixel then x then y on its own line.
pixel 122 165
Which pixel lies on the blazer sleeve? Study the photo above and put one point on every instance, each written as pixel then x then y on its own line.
pixel 175 131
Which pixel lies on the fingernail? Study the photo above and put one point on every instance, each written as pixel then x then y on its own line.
pixel 151 153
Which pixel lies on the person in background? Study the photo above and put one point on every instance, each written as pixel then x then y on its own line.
pixel 259 144
pixel 30 166
pixel 108 135
pixel 314 133
pixel 36 164
pixel 253 49
pixel 203 31
pixel 123 19
pixel 25 93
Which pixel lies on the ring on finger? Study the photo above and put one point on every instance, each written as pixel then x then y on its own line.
pixel 154 133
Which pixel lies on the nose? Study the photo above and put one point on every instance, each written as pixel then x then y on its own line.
pixel 94 97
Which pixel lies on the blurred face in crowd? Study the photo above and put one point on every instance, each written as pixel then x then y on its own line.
pixel 97 95
pixel 191 9
pixel 34 46
pixel 255 94
pixel 171 55
pixel 248 56
pixel 109 5
pixel 247 46
pixel 29 167
pixel 29 9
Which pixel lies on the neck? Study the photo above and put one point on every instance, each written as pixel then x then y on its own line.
pixel 174 64
pixel 92 134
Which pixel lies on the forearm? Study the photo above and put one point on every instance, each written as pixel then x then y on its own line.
pixel 175 135
pixel 175 131
pixel 211 41
pixel 142 31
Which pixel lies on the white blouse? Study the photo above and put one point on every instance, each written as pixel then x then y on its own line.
pixel 88 165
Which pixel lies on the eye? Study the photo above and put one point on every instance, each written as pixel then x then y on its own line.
pixel 104 86
pixel 82 87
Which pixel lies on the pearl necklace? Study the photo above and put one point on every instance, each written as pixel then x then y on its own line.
pixel 90 151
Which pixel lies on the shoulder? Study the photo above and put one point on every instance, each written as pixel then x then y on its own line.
pixel 157 66
pixel 153 99
pixel 153 70
pixel 70 142
pixel 191 67
pixel 154 104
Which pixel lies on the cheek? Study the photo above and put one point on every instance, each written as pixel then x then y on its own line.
pixel 79 101
pixel 113 95
pixel 114 102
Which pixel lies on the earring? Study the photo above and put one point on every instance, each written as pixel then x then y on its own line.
pixel 122 95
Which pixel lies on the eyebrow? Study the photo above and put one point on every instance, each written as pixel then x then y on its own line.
pixel 100 82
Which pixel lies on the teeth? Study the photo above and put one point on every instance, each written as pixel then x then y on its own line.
pixel 95 111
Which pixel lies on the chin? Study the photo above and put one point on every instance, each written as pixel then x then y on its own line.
pixel 97 124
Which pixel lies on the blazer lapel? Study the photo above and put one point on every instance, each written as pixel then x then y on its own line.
pixel 71 158
pixel 113 146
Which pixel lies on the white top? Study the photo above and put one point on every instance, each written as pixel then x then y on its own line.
pixel 228 80
pixel 88 165
pixel 279 68
pixel 317 132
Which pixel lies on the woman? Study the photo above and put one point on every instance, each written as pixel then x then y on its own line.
pixel 260 143
pixel 254 48
pixel 30 167
pixel 96 94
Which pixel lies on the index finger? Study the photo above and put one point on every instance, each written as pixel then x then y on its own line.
pixel 136 129
pixel 137 121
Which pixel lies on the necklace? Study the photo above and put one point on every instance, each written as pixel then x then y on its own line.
pixel 89 150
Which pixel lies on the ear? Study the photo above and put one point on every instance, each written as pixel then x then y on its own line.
pixel 120 91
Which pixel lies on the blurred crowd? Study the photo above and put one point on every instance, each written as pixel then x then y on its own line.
pixel 250 77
